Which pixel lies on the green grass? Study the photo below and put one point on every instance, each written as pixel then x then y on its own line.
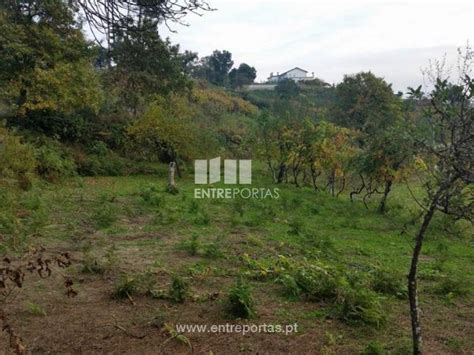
pixel 213 242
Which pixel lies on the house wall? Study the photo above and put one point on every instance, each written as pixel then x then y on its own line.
pixel 294 74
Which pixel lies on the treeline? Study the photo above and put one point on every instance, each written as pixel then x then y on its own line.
pixel 70 105
pixel 360 139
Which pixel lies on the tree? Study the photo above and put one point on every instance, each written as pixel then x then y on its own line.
pixel 215 68
pixel 287 89
pixel 46 67
pixel 243 75
pixel 450 166
pixel 367 103
pixel 146 65
pixel 166 130
pixel 106 16
pixel 273 147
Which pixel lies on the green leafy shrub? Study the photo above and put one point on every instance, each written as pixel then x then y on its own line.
pixel 90 264
pixel 202 219
pixel 359 305
pixel 104 215
pixel 347 293
pixel 139 283
pixel 296 225
pixel 240 302
pixel 318 282
pixel 178 289
pixel 35 309
pixel 191 245
pixel 98 148
pixel 388 283
pixel 193 207
pixel 151 196
pixel 452 286
pixel 110 164
pixel 374 348
pixel 53 161
pixel 212 251
pixel 290 285
pixel 17 160
pixel 127 286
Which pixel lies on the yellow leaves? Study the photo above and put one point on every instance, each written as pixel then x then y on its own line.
pixel 420 164
pixel 67 87
pixel 167 124
pixel 220 101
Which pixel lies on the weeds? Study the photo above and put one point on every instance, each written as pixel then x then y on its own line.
pixel 240 302
pixel 129 285
pixel 452 286
pixel 388 283
pixel 35 309
pixel 151 196
pixel 104 215
pixel 202 219
pixel 212 251
pixel 193 207
pixel 91 265
pixel 178 290
pixel 192 245
pixel 296 226
pixel 374 348
pixel 359 305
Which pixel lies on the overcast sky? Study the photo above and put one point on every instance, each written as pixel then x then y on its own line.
pixel 332 38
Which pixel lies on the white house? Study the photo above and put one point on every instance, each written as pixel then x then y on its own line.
pixel 296 74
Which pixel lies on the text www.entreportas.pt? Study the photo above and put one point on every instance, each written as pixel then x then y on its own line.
pixel 237 328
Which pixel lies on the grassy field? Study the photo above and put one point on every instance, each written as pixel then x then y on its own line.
pixel 145 260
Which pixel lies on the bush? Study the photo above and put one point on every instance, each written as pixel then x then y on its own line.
pixel 374 348
pixel 17 160
pixel 127 286
pixel 452 285
pixel 140 283
pixel 53 161
pixel 240 302
pixel 35 309
pixel 296 226
pixel 212 251
pixel 348 294
pixel 91 265
pixel 389 283
pixel 178 289
pixel 192 245
pixel 317 282
pixel 109 164
pixel 150 196
pixel 359 305
pixel 104 215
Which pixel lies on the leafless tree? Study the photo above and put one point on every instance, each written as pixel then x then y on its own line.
pixel 104 16
pixel 450 161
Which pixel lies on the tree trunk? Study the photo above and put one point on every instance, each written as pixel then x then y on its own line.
pixel 332 182
pixel 388 188
pixel 295 176
pixel 281 173
pixel 412 282
pixel 314 176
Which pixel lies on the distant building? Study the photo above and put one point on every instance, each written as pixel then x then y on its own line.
pixel 296 74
